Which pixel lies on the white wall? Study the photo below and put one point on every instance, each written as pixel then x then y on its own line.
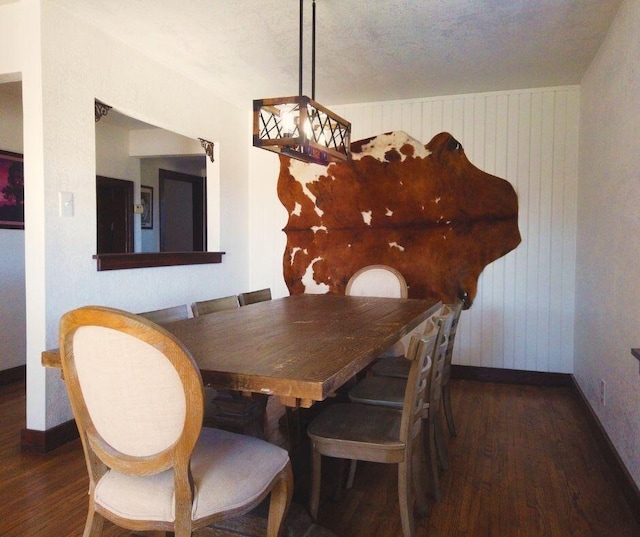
pixel 65 65
pixel 608 287
pixel 13 347
pixel 11 50
pixel 522 317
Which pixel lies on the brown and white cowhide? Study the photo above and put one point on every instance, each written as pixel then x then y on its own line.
pixel 422 209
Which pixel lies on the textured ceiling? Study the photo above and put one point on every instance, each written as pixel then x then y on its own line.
pixel 367 50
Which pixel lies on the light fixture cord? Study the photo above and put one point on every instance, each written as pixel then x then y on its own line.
pixel 313 50
pixel 313 53
pixel 300 51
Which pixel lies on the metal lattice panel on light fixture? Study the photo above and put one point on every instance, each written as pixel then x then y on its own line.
pixel 300 128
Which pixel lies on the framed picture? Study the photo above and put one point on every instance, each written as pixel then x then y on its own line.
pixel 146 199
pixel 11 190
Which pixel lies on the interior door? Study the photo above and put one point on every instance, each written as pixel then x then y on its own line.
pixel 114 199
pixel 182 212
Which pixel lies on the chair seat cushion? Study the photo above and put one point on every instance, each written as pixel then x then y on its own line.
pixel 351 423
pixel 229 471
pixel 393 366
pixel 383 391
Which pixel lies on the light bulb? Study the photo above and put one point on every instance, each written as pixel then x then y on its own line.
pixel 288 121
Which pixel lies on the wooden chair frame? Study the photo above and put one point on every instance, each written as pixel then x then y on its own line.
pixel 101 456
pixel 251 297
pixel 456 310
pixel 332 436
pixel 389 392
pixel 213 305
pixel 167 315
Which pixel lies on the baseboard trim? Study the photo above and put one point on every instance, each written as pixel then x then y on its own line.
pixel 44 441
pixel 510 376
pixel 622 476
pixel 14 374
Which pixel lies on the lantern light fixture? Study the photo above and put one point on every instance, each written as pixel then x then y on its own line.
pixel 298 126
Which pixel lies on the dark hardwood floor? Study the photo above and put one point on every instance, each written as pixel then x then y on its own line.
pixel 524 464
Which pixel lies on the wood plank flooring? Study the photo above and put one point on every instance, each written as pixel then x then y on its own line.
pixel 524 464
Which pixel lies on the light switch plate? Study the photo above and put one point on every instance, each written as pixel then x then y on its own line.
pixel 65 204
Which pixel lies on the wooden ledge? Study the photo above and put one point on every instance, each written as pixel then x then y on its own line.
pixel 155 259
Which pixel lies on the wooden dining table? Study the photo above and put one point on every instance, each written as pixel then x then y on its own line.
pixel 299 348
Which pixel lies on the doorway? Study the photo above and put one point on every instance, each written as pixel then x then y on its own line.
pixel 183 211
pixel 114 199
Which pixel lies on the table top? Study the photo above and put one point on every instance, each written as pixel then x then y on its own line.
pixel 300 348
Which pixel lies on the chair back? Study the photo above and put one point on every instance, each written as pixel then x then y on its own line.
pixel 379 281
pixel 441 327
pixel 456 310
pixel 215 304
pixel 419 353
pixel 251 297
pixel 136 394
pixel 167 315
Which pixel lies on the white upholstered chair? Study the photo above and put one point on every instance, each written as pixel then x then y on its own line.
pixel 380 281
pixel 377 280
pixel 137 398
pixel 382 435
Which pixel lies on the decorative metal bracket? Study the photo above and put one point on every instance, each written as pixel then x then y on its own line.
pixel 101 109
pixel 208 147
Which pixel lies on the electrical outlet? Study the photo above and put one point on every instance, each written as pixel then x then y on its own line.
pixel 603 386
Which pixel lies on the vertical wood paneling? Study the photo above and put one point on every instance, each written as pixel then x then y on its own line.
pixel 522 317
pixel 533 234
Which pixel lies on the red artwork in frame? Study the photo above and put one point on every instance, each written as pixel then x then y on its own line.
pixel 11 190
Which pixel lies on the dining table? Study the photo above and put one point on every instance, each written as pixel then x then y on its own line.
pixel 299 348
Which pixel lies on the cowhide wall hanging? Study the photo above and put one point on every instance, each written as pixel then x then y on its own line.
pixel 423 209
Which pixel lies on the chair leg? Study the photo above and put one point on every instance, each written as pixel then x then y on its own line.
pixel 293 428
pixel 339 480
pixel 441 443
pixel 314 501
pixel 94 523
pixel 448 412
pixel 405 498
pixel 281 495
pixel 421 477
pixel 352 473
pixel 432 461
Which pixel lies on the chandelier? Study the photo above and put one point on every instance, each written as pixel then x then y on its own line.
pixel 298 126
